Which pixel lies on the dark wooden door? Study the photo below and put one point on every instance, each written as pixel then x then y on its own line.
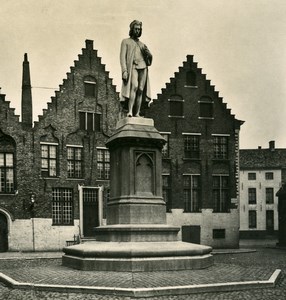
pixel 3 233
pixel 90 211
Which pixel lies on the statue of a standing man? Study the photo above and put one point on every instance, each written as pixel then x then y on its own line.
pixel 134 60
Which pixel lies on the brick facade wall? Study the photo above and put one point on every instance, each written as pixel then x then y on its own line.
pixel 31 228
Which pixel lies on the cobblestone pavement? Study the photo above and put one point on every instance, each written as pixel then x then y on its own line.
pixel 228 268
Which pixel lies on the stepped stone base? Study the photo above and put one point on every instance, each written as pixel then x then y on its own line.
pixel 137 256
pixel 136 237
pixel 136 233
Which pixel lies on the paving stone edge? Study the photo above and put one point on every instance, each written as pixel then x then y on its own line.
pixel 147 292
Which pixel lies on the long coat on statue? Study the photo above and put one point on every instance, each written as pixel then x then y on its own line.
pixel 127 53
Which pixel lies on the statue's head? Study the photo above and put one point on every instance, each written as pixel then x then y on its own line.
pixel 135 29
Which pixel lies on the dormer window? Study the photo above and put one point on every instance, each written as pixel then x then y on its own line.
pixel 89 86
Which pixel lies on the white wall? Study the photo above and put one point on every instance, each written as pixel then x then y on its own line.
pixel 209 221
pixel 260 184
pixel 44 237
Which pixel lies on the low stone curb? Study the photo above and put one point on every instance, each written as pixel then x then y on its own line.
pixel 232 251
pixel 147 292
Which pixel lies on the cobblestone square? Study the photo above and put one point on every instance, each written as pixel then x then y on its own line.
pixel 257 265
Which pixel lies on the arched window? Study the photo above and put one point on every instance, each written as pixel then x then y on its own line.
pixel 206 107
pixel 7 164
pixel 191 79
pixel 89 86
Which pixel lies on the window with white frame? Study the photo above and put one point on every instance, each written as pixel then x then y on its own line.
pixel 221 193
pixel 103 164
pixel 49 160
pixel 220 147
pixel 75 161
pixel 6 172
pixel 192 193
pixel 62 206
pixel 191 145
pixel 7 164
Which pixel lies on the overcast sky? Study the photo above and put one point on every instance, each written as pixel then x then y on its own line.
pixel 239 44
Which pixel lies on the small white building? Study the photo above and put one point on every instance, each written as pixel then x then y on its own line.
pixel 262 172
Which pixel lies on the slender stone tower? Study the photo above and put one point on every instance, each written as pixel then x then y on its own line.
pixel 27 109
pixel 137 237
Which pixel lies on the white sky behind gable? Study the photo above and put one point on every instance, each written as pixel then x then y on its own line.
pixel 239 44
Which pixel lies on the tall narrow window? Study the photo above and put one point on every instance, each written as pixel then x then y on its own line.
pixel 221 193
pixel 62 206
pixel 167 191
pixel 165 149
pixel 191 146
pixel 49 160
pixel 89 86
pixel 192 193
pixel 206 107
pixel 220 147
pixel 89 121
pixel 7 164
pixel 252 219
pixel 74 156
pixel 252 196
pixel 269 193
pixel 6 172
pixel 103 164
pixel 176 106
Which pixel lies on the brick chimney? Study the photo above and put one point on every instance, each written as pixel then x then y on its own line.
pixel 272 145
pixel 27 109
pixel 89 44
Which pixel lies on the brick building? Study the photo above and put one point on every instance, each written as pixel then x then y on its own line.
pixel 55 174
pixel 262 172
pixel 200 159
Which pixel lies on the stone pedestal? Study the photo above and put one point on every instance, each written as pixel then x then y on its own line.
pixel 136 237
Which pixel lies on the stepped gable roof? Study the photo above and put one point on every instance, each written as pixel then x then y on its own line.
pixel 262 158
pixel 191 65
pixel 88 52
pixel 5 107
